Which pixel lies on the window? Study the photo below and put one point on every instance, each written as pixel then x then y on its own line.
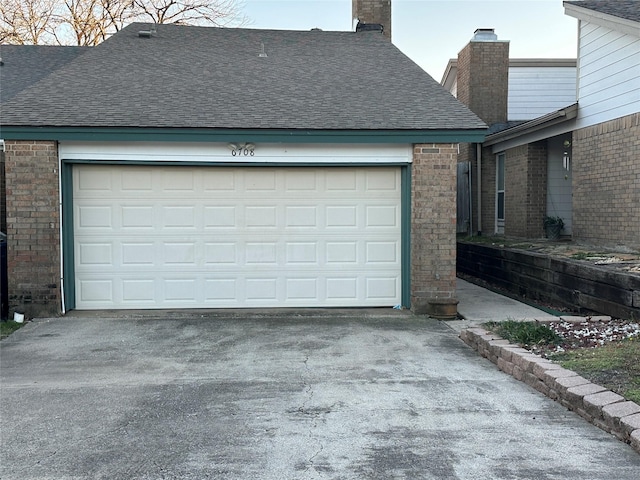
pixel 500 193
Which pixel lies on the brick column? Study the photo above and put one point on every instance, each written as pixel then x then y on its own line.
pixel 33 226
pixel 483 79
pixel 433 229
pixel 526 190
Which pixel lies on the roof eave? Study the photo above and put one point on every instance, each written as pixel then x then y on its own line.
pixel 131 134
pixel 553 118
pixel 612 22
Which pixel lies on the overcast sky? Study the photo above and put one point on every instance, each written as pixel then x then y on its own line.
pixel 431 32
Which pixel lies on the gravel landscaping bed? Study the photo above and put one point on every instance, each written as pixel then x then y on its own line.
pixel 586 332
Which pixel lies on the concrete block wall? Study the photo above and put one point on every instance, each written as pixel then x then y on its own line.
pixel 433 225
pixel 33 227
pixel 606 183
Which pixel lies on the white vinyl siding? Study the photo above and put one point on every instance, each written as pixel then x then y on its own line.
pixel 229 237
pixel 537 90
pixel 609 74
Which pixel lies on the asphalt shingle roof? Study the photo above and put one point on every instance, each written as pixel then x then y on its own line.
pixel 206 77
pixel 24 65
pixel 627 9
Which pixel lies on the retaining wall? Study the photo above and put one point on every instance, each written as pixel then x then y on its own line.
pixel 604 408
pixel 563 282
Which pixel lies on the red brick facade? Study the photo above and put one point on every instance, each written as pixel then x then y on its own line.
pixel 606 183
pixel 33 227
pixel 433 225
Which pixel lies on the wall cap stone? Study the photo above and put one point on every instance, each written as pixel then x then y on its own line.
pixel 604 408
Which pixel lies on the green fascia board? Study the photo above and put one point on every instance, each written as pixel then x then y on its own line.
pixel 241 135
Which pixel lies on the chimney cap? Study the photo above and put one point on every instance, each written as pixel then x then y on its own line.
pixel 484 35
pixel 369 27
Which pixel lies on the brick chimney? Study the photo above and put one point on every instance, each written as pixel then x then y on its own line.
pixel 373 12
pixel 483 76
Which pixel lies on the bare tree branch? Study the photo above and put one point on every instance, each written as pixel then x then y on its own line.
pixel 90 22
pixel 25 22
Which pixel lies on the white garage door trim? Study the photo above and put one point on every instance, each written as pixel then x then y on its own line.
pixel 233 237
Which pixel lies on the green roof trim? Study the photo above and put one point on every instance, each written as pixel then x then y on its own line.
pixel 240 135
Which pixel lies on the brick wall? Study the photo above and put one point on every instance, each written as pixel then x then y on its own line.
pixel 373 11
pixel 606 183
pixel 483 75
pixel 525 190
pixel 3 197
pixel 433 225
pixel 33 221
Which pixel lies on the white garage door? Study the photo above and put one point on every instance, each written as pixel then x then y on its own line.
pixel 218 237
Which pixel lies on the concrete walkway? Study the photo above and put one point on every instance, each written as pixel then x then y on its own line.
pixel 331 395
pixel 478 305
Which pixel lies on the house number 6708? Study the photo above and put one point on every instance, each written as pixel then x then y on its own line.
pixel 242 149
pixel 242 152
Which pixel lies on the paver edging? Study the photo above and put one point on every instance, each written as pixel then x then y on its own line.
pixel 604 408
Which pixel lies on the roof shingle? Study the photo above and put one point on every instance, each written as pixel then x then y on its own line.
pixel 627 9
pixel 205 77
pixel 24 65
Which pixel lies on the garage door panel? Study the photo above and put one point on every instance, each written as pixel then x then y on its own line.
pixel 298 253
pixel 236 237
pixel 301 180
pixel 93 180
pixel 96 254
pixel 341 181
pixel 221 291
pixel 96 292
pixel 260 216
pixel 137 254
pixel 139 291
pixel 178 181
pixel 95 216
pixel 261 180
pixel 341 288
pixel 378 216
pixel 220 216
pixel 382 252
pixel 137 217
pixel 301 216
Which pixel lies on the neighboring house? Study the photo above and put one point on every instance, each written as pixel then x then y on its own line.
pixel 580 160
pixel 528 89
pixel 193 167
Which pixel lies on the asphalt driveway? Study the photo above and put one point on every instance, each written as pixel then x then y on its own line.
pixel 313 395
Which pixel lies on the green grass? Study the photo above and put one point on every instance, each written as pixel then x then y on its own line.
pixel 615 366
pixel 524 333
pixel 7 328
